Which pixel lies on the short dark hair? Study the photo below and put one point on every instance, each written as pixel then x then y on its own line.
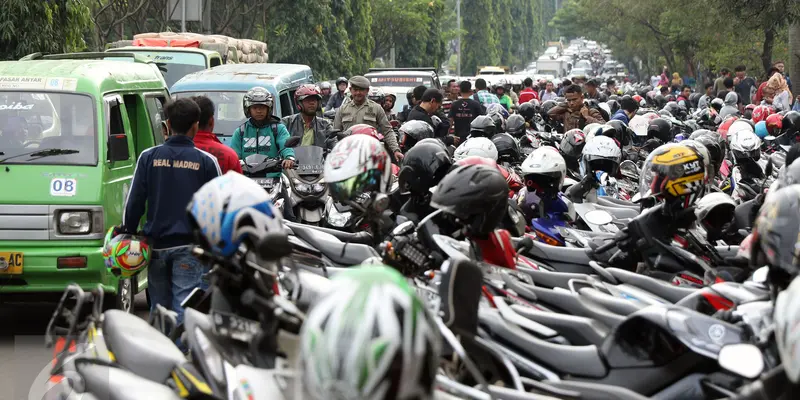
pixel 708 85
pixel 664 89
pixel 419 91
pixel 721 94
pixel 206 110
pixel 628 104
pixel 450 82
pixel 573 89
pixel 610 82
pixel 724 71
pixel 684 87
pixel 182 114
pixel 740 68
pixel 465 86
pixel 432 94
pixel 528 82
pixel 728 82
pixel 778 62
pixel 591 83
pixel 773 71
pixel 480 84
pixel 566 82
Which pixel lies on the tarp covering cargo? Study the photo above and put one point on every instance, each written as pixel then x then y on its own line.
pixel 233 50
pixel 166 42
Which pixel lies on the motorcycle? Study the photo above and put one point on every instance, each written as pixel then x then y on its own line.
pixel 257 167
pixel 306 189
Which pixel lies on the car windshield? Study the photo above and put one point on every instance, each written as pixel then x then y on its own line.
pixel 31 122
pixel 174 65
pixel 228 113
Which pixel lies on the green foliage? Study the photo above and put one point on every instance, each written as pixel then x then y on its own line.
pixel 502 25
pixel 39 26
pixel 413 27
pixel 360 30
pixel 297 35
pixel 479 44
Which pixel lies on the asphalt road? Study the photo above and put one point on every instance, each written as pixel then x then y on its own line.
pixel 24 361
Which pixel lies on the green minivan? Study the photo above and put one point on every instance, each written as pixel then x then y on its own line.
pixel 71 129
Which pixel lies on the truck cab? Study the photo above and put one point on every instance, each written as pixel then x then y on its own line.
pixel 71 129
pixel 175 62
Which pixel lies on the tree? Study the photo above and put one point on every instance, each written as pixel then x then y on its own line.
pixel 479 44
pixel 360 30
pixel 59 27
pixel 297 34
pixel 502 25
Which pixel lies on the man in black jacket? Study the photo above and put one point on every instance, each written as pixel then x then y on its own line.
pixel 312 130
pixel 164 181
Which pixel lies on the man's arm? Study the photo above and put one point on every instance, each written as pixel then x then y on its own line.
pixel 331 102
pixel 137 196
pixel 594 117
pixel 337 120
pixel 557 113
pixel 281 136
pixel 236 142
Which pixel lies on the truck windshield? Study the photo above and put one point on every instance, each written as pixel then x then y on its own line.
pixel 174 65
pixel 228 114
pixel 400 80
pixel 47 128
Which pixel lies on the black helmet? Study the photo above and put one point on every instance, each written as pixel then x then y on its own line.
pixel 515 125
pixel 791 122
pixel 613 97
pixel 775 236
pixel 715 151
pixel 423 167
pixel 572 144
pixel 476 195
pixel 526 110
pixel 613 105
pixel 498 120
pixel 547 105
pixel 623 132
pixel 482 126
pixel 665 113
pixel 660 129
pixel 341 79
pixel 660 101
pixel 717 104
pixel 673 108
pixel 507 148
pixel 412 132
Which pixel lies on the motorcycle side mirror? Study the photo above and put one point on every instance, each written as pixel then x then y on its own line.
pixel 760 275
pixel 598 217
pixel 742 359
pixel 403 228
pixel 274 245
pixel 292 141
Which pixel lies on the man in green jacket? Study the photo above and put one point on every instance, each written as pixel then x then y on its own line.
pixel 262 133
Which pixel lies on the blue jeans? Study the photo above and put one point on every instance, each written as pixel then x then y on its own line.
pixel 172 275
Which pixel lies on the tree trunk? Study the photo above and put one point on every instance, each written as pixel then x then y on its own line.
pixel 793 63
pixel 766 52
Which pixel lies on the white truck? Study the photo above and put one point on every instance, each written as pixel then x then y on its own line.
pixel 555 66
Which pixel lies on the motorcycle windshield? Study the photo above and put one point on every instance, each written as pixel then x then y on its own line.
pixel 310 160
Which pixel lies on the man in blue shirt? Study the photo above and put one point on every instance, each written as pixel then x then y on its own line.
pixel 627 110
pixel 164 181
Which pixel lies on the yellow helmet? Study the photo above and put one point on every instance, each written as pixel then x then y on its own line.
pixel 674 172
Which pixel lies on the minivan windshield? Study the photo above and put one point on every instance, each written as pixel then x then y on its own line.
pixel 47 128
pixel 228 114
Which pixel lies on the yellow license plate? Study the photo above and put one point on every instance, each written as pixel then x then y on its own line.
pixel 11 263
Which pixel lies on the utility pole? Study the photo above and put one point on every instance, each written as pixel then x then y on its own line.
pixel 458 22
pixel 183 15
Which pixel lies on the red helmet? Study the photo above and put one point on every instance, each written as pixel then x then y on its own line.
pixel 723 128
pixel 363 129
pixel 760 113
pixel 638 99
pixel 774 124
pixel 305 91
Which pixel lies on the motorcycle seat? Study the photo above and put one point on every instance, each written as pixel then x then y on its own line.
pixel 338 252
pixel 139 347
pixel 608 200
pixel 550 279
pixel 347 237
pixel 109 383
pixel 556 253
pixel 663 289
pixel 575 304
pixel 611 303
pixel 578 330
pixel 584 361
pixel 618 212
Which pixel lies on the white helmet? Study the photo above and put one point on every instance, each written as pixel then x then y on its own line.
pixel 230 210
pixel 740 125
pixel 476 146
pixel 714 210
pixel 605 107
pixel 745 145
pixel 545 168
pixel 357 164
pixel 589 130
pixel 602 153
pixel 639 124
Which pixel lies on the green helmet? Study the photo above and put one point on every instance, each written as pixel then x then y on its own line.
pixel 370 337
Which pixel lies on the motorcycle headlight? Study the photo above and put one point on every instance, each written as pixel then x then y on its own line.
pixel 318 187
pixel 337 219
pixel 302 187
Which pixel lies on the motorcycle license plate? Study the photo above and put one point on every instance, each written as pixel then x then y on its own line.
pixel 234 327
pixel 266 183
pixel 309 169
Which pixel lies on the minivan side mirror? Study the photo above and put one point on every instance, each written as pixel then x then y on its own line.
pixel 118 148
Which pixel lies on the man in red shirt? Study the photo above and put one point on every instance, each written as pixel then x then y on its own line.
pixel 206 140
pixel 527 94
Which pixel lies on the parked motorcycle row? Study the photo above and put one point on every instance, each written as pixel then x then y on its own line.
pixel 654 259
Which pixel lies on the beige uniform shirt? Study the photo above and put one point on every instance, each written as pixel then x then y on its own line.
pixel 370 113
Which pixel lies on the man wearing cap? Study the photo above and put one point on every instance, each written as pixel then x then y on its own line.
pixel 361 110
